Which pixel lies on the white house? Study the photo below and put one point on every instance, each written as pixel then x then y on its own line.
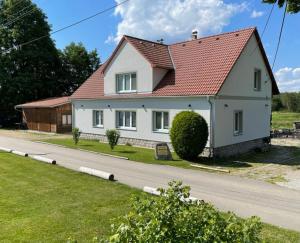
pixel 226 78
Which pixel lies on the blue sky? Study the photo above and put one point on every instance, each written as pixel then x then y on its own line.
pixel 174 20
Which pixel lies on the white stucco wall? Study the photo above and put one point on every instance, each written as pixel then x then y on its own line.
pixel 240 81
pixel 158 74
pixel 237 93
pixel 256 120
pixel 128 59
pixel 83 114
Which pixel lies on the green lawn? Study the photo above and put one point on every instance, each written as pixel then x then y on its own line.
pixel 47 203
pixel 284 119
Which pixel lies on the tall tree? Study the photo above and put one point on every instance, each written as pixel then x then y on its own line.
pixel 77 64
pixel 27 72
pixel 293 6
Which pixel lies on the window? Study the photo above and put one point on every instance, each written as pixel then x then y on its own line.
pixel 257 80
pixel 238 123
pixel 126 82
pixel 98 118
pixel 161 121
pixel 66 119
pixel 126 119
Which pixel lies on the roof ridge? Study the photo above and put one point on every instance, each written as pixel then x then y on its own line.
pixel 129 36
pixel 215 35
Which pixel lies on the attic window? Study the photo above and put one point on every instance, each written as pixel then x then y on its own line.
pixel 126 82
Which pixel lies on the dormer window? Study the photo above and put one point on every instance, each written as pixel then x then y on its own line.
pixel 257 79
pixel 126 82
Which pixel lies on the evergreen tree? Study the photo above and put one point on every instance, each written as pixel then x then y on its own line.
pixel 27 72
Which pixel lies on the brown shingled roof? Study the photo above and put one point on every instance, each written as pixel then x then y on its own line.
pixel 46 103
pixel 200 66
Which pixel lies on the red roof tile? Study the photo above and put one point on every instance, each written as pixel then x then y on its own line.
pixel 200 66
pixel 46 103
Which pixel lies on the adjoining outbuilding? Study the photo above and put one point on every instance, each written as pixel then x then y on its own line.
pixel 49 115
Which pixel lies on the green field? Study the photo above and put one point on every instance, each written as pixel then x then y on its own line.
pixel 284 119
pixel 46 203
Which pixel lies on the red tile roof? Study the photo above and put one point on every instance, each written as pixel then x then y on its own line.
pixel 196 67
pixel 46 103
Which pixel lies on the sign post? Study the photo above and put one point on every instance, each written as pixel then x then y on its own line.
pixel 162 152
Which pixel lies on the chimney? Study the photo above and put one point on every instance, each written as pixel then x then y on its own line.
pixel 194 34
pixel 161 41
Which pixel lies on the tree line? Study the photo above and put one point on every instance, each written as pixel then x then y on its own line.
pixel 36 70
pixel 286 101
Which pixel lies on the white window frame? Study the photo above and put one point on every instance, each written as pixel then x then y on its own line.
pixel 65 119
pixel 123 126
pixel 162 129
pixel 130 90
pixel 257 79
pixel 101 119
pixel 240 125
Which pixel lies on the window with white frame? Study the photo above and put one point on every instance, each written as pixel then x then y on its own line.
pixel 238 123
pixel 66 120
pixel 126 82
pixel 257 79
pixel 126 120
pixel 161 121
pixel 97 118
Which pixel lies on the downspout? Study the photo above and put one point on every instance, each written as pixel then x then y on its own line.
pixel 211 128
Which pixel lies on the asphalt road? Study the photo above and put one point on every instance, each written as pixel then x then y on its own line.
pixel 274 204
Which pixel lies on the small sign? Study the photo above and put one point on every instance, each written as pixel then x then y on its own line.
pixel 162 152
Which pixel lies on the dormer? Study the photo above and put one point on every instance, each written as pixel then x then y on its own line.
pixel 136 66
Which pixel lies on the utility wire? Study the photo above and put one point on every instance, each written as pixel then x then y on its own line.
pixel 66 27
pixel 280 34
pixel 19 17
pixel 15 14
pixel 265 28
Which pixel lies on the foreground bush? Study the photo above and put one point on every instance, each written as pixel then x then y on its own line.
pixel 174 218
pixel 112 137
pixel 189 134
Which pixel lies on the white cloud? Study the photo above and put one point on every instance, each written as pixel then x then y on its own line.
pixel 257 14
pixel 288 79
pixel 173 19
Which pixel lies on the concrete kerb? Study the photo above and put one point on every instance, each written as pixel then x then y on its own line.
pixel 19 153
pixel 6 149
pixel 43 159
pixel 210 168
pixel 98 173
pixel 84 150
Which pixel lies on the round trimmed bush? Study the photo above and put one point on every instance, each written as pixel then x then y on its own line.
pixel 189 134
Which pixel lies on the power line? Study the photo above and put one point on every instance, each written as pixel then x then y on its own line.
pixel 67 27
pixel 19 17
pixel 280 34
pixel 15 14
pixel 265 28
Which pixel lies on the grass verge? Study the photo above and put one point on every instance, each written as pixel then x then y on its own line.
pixel 144 155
